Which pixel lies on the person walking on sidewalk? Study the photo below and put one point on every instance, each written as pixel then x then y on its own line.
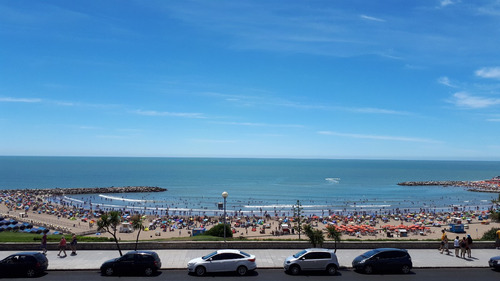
pixel 456 245
pixel 62 246
pixel 463 247
pixel 44 243
pixel 72 245
pixel 497 242
pixel 444 243
pixel 469 246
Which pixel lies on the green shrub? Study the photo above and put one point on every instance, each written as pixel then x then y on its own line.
pixel 218 231
pixel 490 235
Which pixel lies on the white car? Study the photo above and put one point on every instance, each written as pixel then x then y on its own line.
pixel 223 261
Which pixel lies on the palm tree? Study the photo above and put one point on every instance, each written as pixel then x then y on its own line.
pixel 136 221
pixel 334 234
pixel 315 236
pixel 109 222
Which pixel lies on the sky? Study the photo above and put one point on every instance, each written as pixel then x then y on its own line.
pixel 412 80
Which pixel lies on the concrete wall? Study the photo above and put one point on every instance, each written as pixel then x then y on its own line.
pixel 154 245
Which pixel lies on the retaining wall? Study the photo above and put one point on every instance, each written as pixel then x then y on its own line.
pixel 155 245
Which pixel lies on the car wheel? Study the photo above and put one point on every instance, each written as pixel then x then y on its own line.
pixel 368 269
pixel 31 272
pixel 405 269
pixel 200 271
pixel 108 271
pixel 242 270
pixel 148 271
pixel 331 269
pixel 294 270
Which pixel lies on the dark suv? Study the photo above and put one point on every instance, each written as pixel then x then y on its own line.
pixel 133 262
pixel 383 259
pixel 24 263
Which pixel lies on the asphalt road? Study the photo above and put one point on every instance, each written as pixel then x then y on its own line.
pixel 443 274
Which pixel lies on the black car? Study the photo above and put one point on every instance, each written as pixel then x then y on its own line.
pixel 28 264
pixel 133 262
pixel 383 259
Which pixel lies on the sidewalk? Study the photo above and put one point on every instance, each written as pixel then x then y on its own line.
pixel 177 259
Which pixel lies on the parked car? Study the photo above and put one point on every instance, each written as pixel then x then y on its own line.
pixel 223 261
pixel 133 262
pixel 383 259
pixel 312 259
pixel 495 262
pixel 28 264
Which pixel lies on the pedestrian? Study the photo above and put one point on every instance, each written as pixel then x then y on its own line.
pixel 463 246
pixel 497 242
pixel 44 243
pixel 469 246
pixel 73 245
pixel 441 247
pixel 456 245
pixel 62 246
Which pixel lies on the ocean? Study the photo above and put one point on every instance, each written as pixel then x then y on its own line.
pixel 254 186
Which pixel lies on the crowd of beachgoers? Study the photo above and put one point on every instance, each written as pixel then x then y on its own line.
pixel 69 218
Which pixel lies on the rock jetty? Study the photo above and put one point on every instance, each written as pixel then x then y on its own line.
pixel 88 190
pixel 492 185
pixel 437 183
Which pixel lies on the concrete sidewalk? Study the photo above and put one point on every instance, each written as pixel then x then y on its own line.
pixel 271 258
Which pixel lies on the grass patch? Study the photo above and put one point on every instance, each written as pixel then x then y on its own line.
pixel 12 236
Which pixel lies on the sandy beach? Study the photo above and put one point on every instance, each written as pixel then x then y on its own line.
pixel 415 226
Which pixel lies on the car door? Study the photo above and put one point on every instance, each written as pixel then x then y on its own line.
pixel 216 263
pixel 125 264
pixel 314 261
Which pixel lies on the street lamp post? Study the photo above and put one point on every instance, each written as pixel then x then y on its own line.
pixel 224 195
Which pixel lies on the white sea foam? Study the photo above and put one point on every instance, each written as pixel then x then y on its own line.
pixel 73 199
pixel 332 180
pixel 125 199
pixel 369 206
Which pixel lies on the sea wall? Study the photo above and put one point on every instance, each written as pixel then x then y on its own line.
pixel 156 245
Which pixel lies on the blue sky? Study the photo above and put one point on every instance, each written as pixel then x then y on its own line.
pixel 294 79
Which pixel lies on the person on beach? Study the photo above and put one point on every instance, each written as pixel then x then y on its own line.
pixel 62 246
pixel 73 245
pixel 456 245
pixel 44 243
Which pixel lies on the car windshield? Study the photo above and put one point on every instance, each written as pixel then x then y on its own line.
pixel 209 255
pixel 299 254
pixel 369 253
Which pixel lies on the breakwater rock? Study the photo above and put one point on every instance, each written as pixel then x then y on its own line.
pixel 88 190
pixel 433 183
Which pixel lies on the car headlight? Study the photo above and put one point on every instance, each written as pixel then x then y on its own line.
pixel 363 261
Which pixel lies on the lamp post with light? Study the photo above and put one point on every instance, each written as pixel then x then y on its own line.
pixel 224 195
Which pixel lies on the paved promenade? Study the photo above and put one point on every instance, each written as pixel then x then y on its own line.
pixel 177 259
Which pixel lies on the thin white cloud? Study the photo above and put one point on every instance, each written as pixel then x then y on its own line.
pixel 377 137
pixel 372 18
pixel 493 120
pixel 462 99
pixel 446 81
pixel 22 100
pixel 445 3
pixel 250 124
pixel 166 113
pixel 489 72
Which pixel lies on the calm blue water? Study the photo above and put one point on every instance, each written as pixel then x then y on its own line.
pixel 196 184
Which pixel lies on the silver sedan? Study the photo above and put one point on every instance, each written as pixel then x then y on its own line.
pixel 223 261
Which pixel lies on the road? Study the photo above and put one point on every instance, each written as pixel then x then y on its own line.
pixel 443 274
